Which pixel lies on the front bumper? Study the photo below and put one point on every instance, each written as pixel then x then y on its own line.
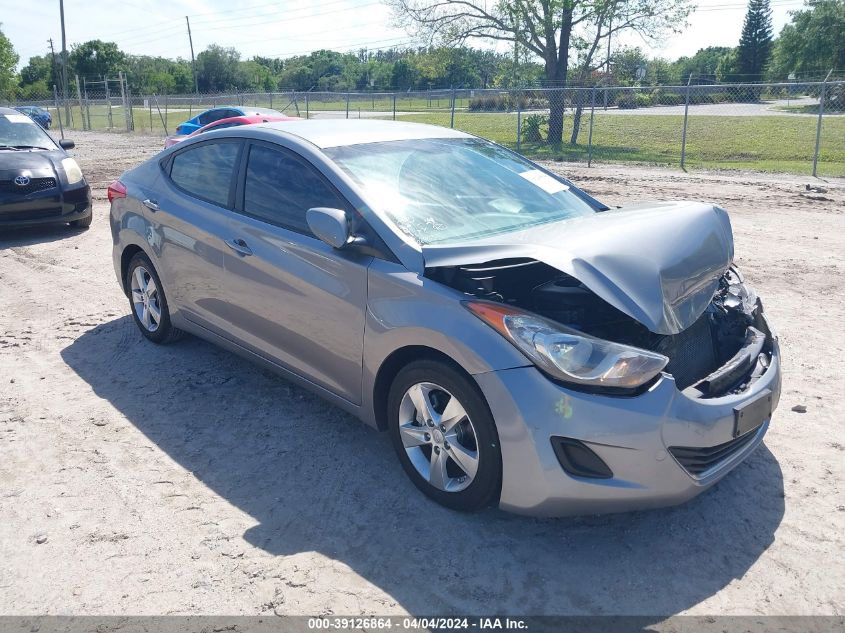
pixel 631 434
pixel 52 206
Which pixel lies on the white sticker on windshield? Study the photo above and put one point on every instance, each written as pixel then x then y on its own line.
pixel 18 118
pixel 544 181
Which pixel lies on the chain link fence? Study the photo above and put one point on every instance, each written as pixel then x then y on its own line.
pixel 790 127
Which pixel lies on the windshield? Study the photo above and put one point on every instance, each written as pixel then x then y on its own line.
pixel 19 130
pixel 450 190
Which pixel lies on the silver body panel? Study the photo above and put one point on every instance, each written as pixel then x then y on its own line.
pixel 658 262
pixel 633 434
pixel 330 319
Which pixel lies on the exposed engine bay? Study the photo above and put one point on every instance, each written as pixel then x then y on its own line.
pixel 724 351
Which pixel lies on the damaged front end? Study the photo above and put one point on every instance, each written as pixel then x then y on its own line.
pixel 723 351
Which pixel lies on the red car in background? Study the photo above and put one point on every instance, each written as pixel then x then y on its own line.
pixel 233 121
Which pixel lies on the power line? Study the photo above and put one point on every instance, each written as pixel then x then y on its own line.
pixel 134 41
pixel 287 15
pixel 357 46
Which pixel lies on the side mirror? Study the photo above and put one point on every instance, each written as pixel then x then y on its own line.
pixel 330 225
pixel 66 143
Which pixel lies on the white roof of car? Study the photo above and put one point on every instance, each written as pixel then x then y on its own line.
pixel 340 132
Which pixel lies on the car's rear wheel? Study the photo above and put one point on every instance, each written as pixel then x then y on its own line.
pixel 148 301
pixel 445 436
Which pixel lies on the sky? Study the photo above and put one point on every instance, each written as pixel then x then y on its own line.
pixel 282 28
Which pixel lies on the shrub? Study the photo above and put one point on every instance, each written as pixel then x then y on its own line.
pixel 532 128
pixel 834 100
pixel 630 100
pixel 484 103
pixel 490 103
pixel 670 98
pixel 506 103
pixel 643 100
pixel 626 101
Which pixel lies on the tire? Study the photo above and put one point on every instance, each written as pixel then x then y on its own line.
pixel 421 447
pixel 159 330
pixel 83 223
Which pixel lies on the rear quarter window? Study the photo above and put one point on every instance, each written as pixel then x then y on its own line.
pixel 206 171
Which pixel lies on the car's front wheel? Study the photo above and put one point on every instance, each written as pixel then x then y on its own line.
pixel 83 223
pixel 148 301
pixel 445 436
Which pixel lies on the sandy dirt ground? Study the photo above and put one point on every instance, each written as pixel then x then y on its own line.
pixel 138 479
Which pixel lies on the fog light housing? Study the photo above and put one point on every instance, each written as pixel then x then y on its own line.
pixel 578 460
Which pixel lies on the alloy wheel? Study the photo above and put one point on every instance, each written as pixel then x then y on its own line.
pixel 145 299
pixel 438 437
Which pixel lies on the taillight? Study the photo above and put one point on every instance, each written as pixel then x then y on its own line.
pixel 116 190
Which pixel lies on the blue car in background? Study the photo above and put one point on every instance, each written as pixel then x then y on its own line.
pixel 215 114
pixel 39 115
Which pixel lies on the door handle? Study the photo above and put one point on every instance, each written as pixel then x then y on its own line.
pixel 239 246
pixel 152 205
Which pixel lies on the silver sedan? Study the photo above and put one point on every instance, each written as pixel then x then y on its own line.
pixel 523 344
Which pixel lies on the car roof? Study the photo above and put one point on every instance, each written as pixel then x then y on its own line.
pixel 245 119
pixel 340 132
pixel 9 110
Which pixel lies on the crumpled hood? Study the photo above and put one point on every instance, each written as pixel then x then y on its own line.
pixel 659 263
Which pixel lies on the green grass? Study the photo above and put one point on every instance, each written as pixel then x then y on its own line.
pixel 811 109
pixel 771 143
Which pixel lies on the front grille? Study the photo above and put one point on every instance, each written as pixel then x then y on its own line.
pixel 699 460
pixel 691 353
pixel 30 215
pixel 34 185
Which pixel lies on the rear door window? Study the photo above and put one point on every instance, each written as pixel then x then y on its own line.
pixel 206 171
pixel 280 188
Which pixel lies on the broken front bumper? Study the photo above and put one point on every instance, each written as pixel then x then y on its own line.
pixel 632 435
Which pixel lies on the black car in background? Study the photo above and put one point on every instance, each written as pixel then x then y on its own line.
pixel 39 182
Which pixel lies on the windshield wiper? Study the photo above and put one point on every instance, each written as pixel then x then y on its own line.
pixel 27 147
pixel 11 147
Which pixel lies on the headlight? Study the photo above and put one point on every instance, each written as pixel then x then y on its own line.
pixel 570 355
pixel 72 171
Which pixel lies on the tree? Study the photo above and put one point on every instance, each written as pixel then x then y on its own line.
pixel 217 68
pixel 727 70
pixel 703 64
pixel 404 75
pixel 813 43
pixel 550 29
pixel 626 63
pixel 8 61
pixel 95 58
pixel 755 43
pixel 37 77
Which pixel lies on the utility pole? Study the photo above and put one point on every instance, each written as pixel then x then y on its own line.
pixel 53 60
pixel 193 62
pixel 64 62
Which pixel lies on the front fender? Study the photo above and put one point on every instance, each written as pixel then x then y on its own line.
pixel 406 310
